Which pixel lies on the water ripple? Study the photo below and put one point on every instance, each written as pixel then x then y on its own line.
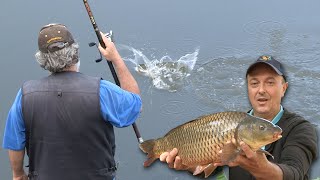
pixel 263 27
pixel 173 107
pixel 221 82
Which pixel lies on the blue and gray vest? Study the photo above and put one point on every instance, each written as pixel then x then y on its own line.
pixel 66 136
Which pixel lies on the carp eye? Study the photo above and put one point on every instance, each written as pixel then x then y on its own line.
pixel 261 127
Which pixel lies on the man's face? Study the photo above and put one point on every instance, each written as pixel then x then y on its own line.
pixel 265 90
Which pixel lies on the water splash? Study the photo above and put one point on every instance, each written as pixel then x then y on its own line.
pixel 165 73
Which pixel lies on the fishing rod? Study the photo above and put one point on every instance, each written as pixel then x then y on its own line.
pixel 114 74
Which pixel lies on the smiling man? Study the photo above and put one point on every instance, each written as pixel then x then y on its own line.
pixel 293 153
pixel 266 86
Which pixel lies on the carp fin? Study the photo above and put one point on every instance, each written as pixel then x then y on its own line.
pixel 229 153
pixel 209 169
pixel 147 147
pixel 265 152
pixel 199 169
pixel 149 161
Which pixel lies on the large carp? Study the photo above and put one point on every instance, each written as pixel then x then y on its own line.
pixel 200 140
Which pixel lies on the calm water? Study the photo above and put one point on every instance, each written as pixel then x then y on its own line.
pixel 224 38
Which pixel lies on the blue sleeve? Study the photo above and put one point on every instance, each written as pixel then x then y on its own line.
pixel 119 107
pixel 14 134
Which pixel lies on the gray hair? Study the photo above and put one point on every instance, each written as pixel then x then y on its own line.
pixel 59 60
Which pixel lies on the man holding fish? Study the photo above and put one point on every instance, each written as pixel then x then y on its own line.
pixel 289 157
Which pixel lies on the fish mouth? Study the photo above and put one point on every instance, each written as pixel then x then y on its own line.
pixel 277 135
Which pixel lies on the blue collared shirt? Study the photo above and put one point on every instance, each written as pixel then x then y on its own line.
pixel 118 107
pixel 276 119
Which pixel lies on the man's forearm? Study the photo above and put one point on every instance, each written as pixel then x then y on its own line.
pixel 127 82
pixel 126 79
pixel 16 161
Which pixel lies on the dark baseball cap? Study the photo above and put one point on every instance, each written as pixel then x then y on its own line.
pixel 53 37
pixel 269 60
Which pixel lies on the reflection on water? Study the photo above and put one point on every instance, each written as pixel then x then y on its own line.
pixel 166 73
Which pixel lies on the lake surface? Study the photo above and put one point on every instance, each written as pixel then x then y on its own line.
pixel 224 38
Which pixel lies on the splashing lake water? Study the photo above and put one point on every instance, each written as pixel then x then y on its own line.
pixel 165 72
